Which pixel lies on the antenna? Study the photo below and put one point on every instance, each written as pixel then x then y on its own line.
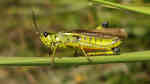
pixel 34 23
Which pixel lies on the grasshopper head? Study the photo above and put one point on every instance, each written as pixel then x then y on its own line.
pixel 46 38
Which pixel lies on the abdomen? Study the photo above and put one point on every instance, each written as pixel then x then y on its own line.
pixel 87 42
pixel 93 42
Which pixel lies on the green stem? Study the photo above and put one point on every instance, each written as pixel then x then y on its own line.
pixel 143 10
pixel 36 61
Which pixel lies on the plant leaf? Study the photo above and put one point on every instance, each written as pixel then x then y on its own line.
pixel 143 10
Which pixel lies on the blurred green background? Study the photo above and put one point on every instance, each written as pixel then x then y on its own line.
pixel 18 38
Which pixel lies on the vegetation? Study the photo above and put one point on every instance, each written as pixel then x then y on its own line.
pixel 19 44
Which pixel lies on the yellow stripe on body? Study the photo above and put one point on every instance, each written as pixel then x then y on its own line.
pixel 86 42
pixel 98 43
pixel 100 53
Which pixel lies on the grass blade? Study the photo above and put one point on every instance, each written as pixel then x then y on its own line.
pixel 44 61
pixel 143 10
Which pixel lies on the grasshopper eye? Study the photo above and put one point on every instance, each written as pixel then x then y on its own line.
pixel 45 34
pixel 105 25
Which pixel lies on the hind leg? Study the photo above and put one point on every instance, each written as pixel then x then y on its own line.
pixel 113 51
pixel 101 53
pixel 85 54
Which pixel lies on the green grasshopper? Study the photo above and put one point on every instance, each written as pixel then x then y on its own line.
pixel 101 41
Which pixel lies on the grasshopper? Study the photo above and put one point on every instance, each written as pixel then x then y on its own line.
pixel 101 41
